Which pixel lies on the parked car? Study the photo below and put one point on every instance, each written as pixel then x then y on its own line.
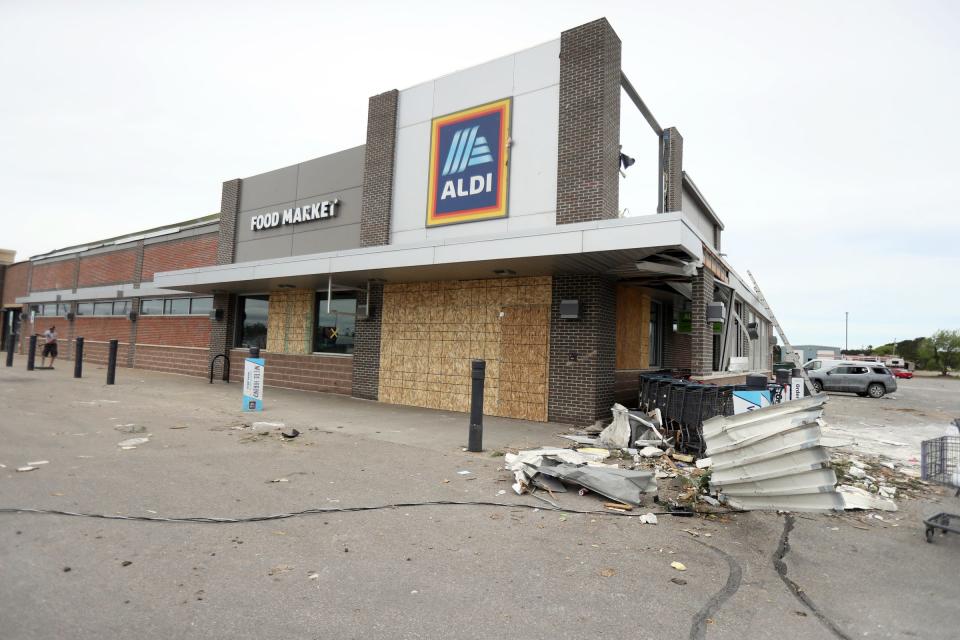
pixel 863 379
pixel 902 373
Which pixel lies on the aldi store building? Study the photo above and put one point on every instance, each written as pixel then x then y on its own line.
pixel 481 219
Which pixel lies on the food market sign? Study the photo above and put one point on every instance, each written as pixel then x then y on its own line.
pixel 296 215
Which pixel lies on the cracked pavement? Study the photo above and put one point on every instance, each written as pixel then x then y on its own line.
pixel 410 572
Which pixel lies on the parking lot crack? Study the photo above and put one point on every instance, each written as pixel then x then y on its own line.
pixel 783 547
pixel 698 630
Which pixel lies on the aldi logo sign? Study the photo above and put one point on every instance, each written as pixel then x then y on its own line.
pixel 468 165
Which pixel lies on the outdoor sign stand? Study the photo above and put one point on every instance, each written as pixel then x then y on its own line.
pixel 253 381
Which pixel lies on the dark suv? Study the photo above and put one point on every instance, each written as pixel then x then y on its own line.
pixel 865 379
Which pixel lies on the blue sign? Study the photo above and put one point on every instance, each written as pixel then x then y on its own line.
pixel 468 165
pixel 253 384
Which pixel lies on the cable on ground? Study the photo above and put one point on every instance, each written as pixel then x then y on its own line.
pixel 329 510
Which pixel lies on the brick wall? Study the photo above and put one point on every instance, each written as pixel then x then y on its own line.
pixel 222 331
pixel 49 276
pixel 588 181
pixel 188 253
pixel 701 339
pixel 331 374
pixel 671 170
pixel 15 283
pixel 97 352
pixel 107 268
pixel 190 361
pixel 229 208
pixel 102 328
pixel 366 348
pixel 378 169
pixel 180 331
pixel 582 351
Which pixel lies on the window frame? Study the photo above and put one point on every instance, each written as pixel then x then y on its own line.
pixel 655 335
pixel 241 316
pixel 321 299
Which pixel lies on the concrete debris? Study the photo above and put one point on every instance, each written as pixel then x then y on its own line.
pixel 713 502
pixel 857 498
pixel 682 457
pixel 585 440
pixel 887 492
pixel 617 435
pixel 772 458
pixel 704 463
pixel 650 452
pixel 856 472
pixel 268 425
pixel 132 442
pixel 648 518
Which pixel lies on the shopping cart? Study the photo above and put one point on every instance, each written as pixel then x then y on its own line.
pixel 940 463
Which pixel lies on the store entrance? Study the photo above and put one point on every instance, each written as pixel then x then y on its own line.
pixel 11 324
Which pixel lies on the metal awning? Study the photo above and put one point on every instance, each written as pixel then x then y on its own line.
pixel 605 246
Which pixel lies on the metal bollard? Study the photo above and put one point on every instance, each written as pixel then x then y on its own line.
pixel 112 362
pixel 32 352
pixel 78 359
pixel 11 339
pixel 478 373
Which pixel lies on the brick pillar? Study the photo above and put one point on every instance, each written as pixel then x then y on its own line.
pixel 229 208
pixel 588 158
pixel 582 351
pixel 671 171
pixel 378 169
pixel 701 340
pixel 222 331
pixel 366 348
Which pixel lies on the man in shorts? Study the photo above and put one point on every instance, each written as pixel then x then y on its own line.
pixel 49 346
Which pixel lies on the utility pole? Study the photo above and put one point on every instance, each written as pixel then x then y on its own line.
pixel 846 331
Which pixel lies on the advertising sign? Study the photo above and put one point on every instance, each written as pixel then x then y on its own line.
pixel 253 384
pixel 796 388
pixel 744 401
pixel 467 179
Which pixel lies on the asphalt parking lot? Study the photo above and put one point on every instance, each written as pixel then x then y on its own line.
pixel 431 571
pixel 894 426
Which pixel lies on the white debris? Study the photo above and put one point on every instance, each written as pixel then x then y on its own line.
pixel 38 463
pixel 857 498
pixel 651 452
pixel 713 502
pixel 888 492
pixel 132 442
pixel 617 435
pixel 268 425
pixel 26 468
pixel 704 463
pixel 463 472
pixel 648 518
pixel 280 480
pixel 856 472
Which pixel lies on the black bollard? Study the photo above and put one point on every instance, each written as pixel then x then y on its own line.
pixel 78 359
pixel 477 370
pixel 10 340
pixel 32 352
pixel 112 362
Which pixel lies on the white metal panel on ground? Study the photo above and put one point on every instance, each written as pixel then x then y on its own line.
pixel 771 458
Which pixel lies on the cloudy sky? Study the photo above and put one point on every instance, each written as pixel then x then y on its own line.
pixel 824 134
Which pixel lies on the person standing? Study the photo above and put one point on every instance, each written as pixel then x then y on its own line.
pixel 49 346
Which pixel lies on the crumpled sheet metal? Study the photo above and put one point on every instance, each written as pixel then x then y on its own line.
pixel 623 485
pixel 526 464
pixel 771 458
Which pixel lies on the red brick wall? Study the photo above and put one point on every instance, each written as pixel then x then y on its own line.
pixel 53 275
pixel 15 283
pixel 106 268
pixel 199 251
pixel 96 352
pixel 188 361
pixel 106 328
pixel 180 331
pixel 332 374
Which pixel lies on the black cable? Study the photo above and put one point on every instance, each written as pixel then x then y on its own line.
pixel 327 510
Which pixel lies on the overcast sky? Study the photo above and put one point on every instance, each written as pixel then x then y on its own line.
pixel 824 134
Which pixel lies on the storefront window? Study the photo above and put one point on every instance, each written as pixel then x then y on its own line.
pixel 201 306
pixel 121 307
pixel 176 307
pixel 334 331
pixel 152 307
pixel 656 340
pixel 85 309
pixel 252 325
pixel 103 308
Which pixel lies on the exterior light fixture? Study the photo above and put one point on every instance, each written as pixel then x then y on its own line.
pixel 626 161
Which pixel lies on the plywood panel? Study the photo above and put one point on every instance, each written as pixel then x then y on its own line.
pixel 432 330
pixel 633 328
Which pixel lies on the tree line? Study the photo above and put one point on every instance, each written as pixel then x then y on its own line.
pixel 938 352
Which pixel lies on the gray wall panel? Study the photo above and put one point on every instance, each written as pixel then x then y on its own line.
pixel 268 189
pixel 244 234
pixel 326 239
pixel 264 248
pixel 337 171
